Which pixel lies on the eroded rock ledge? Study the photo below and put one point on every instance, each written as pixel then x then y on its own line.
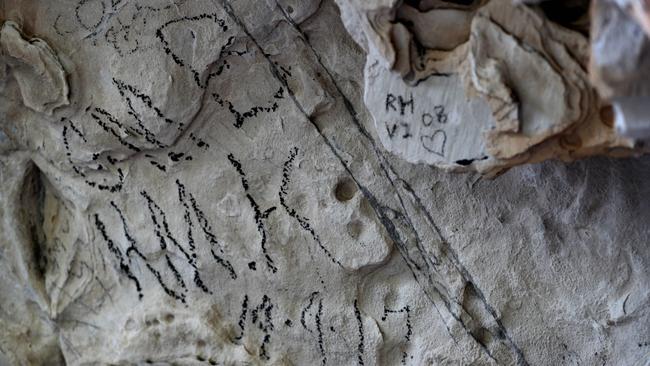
pixel 486 85
pixel 199 182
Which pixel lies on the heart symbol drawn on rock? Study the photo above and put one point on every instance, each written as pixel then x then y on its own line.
pixel 435 143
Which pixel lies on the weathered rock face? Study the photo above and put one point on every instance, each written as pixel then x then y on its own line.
pixel 485 85
pixel 200 182
pixel 620 60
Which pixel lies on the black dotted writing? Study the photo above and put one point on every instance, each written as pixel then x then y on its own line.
pixel 190 238
pixel 176 157
pixel 360 347
pixel 242 317
pixel 302 221
pixel 409 328
pixel 306 309
pixel 262 317
pixel 239 169
pixel 260 216
pixel 188 201
pixel 241 117
pixel 319 330
pixel 318 321
pixel 265 325
pixel 102 187
pixel 124 36
pixel 101 116
pixel 158 165
pixel 118 254
pixel 176 58
pixel 160 225
pixel 134 249
pixel 127 91
pixel 199 142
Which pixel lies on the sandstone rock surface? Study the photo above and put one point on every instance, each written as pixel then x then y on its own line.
pixel 201 182
pixel 485 85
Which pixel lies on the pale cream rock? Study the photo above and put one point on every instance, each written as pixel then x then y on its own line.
pixel 215 192
pixel 425 123
pixel 36 68
pixel 620 63
pixel 528 70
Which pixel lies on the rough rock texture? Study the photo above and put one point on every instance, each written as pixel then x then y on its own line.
pixel 620 62
pixel 484 85
pixel 206 186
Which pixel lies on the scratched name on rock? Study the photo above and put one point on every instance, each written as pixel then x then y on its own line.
pixel 408 118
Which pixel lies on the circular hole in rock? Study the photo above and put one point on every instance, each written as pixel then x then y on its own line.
pixel 345 190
